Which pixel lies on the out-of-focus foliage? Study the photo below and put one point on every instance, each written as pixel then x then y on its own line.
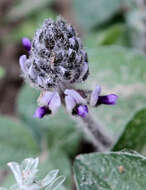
pixel 26 8
pixel 29 26
pixel 56 158
pixel 134 135
pixel 121 71
pixel 110 171
pixel 16 141
pixel 113 35
pixel 95 13
pixel 135 20
pixel 2 72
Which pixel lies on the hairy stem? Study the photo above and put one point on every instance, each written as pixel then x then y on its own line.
pixel 100 139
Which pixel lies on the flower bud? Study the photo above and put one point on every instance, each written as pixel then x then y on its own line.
pixel 51 100
pixel 26 43
pixel 96 99
pixel 41 112
pixel 110 99
pixel 56 56
pixel 82 110
pixel 75 103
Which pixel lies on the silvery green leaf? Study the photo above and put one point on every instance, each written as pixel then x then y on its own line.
pixel 14 187
pixel 34 186
pixel 15 168
pixel 49 178
pixel 56 183
pixel 1 188
pixel 25 175
pixel 29 166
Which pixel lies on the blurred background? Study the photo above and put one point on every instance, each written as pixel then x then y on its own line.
pixel 114 35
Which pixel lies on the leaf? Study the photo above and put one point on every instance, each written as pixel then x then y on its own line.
pixel 29 26
pixel 111 35
pixel 136 28
pixel 26 7
pixel 51 161
pixel 110 171
pixel 121 71
pixel 16 141
pixel 98 12
pixel 60 130
pixel 134 135
pixel 57 159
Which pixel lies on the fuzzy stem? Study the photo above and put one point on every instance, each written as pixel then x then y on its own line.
pixel 101 141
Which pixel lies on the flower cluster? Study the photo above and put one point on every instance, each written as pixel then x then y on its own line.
pixel 25 176
pixel 56 56
pixel 56 62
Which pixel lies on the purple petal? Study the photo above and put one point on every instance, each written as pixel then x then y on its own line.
pixel 95 95
pixel 82 110
pixel 26 43
pixel 55 102
pixel 22 60
pixel 70 103
pixel 40 112
pixel 45 98
pixel 110 99
pixel 77 97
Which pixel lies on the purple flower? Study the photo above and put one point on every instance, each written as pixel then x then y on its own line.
pixel 51 100
pixel 26 43
pixel 96 99
pixel 75 103
pixel 95 96
pixel 41 112
pixel 110 99
pixel 82 110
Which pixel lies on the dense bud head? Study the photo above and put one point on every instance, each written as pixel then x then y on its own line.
pixel 56 56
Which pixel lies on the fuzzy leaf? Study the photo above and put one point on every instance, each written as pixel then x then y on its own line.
pixel 26 7
pixel 134 135
pixel 112 35
pixel 11 147
pixel 57 159
pixel 120 71
pixel 94 13
pixel 110 171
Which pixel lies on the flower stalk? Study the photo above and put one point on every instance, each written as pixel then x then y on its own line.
pixel 101 141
